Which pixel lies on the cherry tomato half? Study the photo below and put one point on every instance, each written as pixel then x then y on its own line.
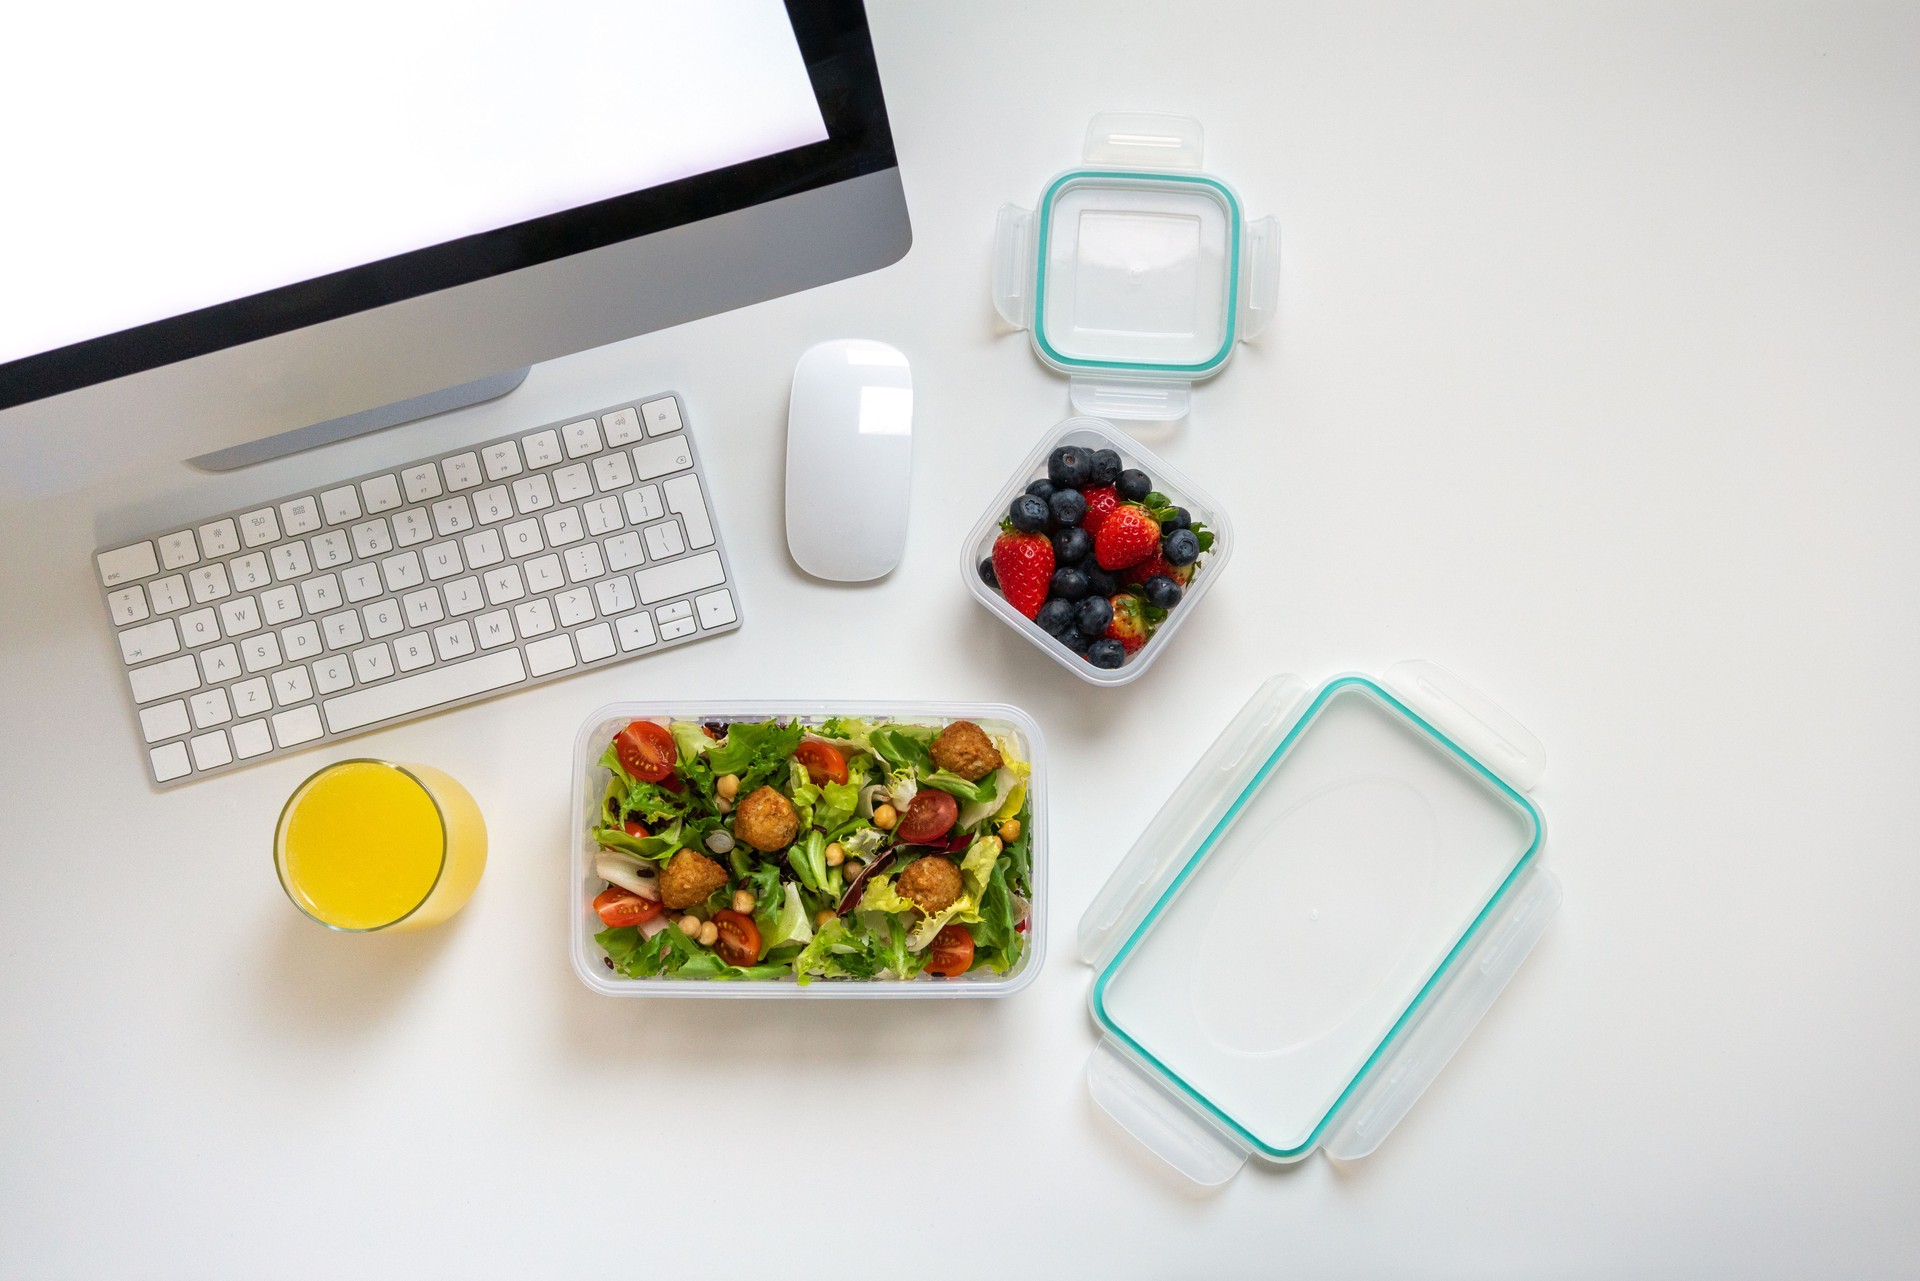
pixel 930 815
pixel 619 907
pixel 635 830
pixel 952 952
pixel 646 751
pixel 739 941
pixel 824 762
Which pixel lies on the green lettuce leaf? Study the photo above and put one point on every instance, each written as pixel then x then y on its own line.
pixel 963 791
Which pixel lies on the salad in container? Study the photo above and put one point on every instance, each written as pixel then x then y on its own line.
pixel 784 850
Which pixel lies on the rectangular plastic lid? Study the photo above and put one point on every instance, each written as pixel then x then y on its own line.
pixel 1302 899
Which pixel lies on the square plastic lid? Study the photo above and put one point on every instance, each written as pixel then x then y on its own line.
pixel 1137 271
pixel 1313 919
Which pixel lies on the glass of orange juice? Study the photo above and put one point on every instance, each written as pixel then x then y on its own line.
pixel 368 845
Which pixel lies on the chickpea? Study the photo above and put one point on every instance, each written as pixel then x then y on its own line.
pixel 1010 830
pixel 722 804
pixel 885 816
pixel 743 902
pixel 821 917
pixel 727 786
pixel 851 869
pixel 708 934
pixel 836 854
pixel 690 925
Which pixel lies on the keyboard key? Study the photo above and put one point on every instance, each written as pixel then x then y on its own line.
pixel 428 689
pixel 342 630
pixel 250 739
pixel 331 548
pixel 170 762
pixel 423 607
pixel 452 516
pixel 615 595
pixel 362 581
pixel 177 551
pixel 483 549
pixel 676 629
pixel 533 494
pixel 603 516
pixel 340 505
pixel 543 448
pixel 453 641
pixel 501 460
pixel 291 685
pixel 659 457
pixel 663 540
pixel 322 594
pixel 462 472
pixel 210 751
pixel 412 526
pixel 504 585
pixel 564 526
pixel 581 438
pixel 260 653
pixel 554 654
pixel 680 578
pixel 373 663
pixel 249 572
pixel 492 505
pixel 301 725
pixel 679 611
pixel 421 483
pixel 219 538
pixel 290 561
pixel 332 674
pixel 168 594
pixel 533 618
pixel 612 472
pixel 238 617
pixel 403 571
pixel 221 663
pixel 163 721
pixel 523 538
pixel 715 608
pixel 257 529
pixel 302 641
pixel 570 484
pixel 584 562
pixel 464 596
pixel 495 629
pixel 299 516
pixel 662 416
pixel 685 499
pixel 623 552
pixel 370 538
pixel 208 583
pixel 383 618
pixel 636 632
pixel 544 574
pixel 413 652
pixel 574 607
pixel 250 698
pixel 443 560
pixel 643 504
pixel 210 707
pixel 622 426
pixel 381 494
pixel 278 604
pixel 164 680
pixel 201 627
pixel 128 605
pixel 595 643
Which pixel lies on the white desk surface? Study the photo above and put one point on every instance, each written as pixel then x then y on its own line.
pixel 1596 379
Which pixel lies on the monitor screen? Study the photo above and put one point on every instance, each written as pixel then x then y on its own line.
pixel 182 156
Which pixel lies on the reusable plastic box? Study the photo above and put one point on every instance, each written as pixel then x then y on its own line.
pixel 1136 273
pixel 1316 920
pixel 589 788
pixel 1095 434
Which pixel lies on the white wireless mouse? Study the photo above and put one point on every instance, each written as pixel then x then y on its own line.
pixel 849 459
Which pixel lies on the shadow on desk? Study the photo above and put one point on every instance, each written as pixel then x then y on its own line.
pixel 322 985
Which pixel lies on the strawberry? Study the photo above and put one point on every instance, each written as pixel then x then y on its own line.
pixel 1127 536
pixel 1157 564
pixel 1129 625
pixel 1024 565
pixel 1100 504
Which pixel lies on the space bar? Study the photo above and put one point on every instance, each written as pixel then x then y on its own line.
pixel 428 689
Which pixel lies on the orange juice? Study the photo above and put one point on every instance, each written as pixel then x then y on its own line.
pixel 370 845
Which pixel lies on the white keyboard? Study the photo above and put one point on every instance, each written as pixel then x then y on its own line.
pixel 346 607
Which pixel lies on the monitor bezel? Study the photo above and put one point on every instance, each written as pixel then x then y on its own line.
pixel 838 50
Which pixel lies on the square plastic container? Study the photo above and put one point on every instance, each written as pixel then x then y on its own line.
pixel 1136 273
pixel 1316 920
pixel 589 787
pixel 1095 434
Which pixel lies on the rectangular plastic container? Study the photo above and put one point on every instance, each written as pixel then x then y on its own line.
pixel 1097 434
pixel 589 786
pixel 1316 920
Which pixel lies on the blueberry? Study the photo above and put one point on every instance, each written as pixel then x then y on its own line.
pixel 1069 466
pixel 1161 591
pixel 1093 615
pixel 1107 652
pixel 1041 489
pixel 1076 640
pixel 1134 484
pixel 1102 582
pixel 1028 513
pixel 1055 616
pixel 1106 466
pixel 1181 547
pixel 987 575
pixel 1068 507
pixel 1068 584
pixel 1180 519
pixel 1071 546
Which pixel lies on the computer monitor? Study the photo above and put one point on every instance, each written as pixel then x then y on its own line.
pixel 236 230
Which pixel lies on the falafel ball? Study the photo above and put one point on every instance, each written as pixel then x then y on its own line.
pixel 766 821
pixel 964 748
pixel 689 879
pixel 932 882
